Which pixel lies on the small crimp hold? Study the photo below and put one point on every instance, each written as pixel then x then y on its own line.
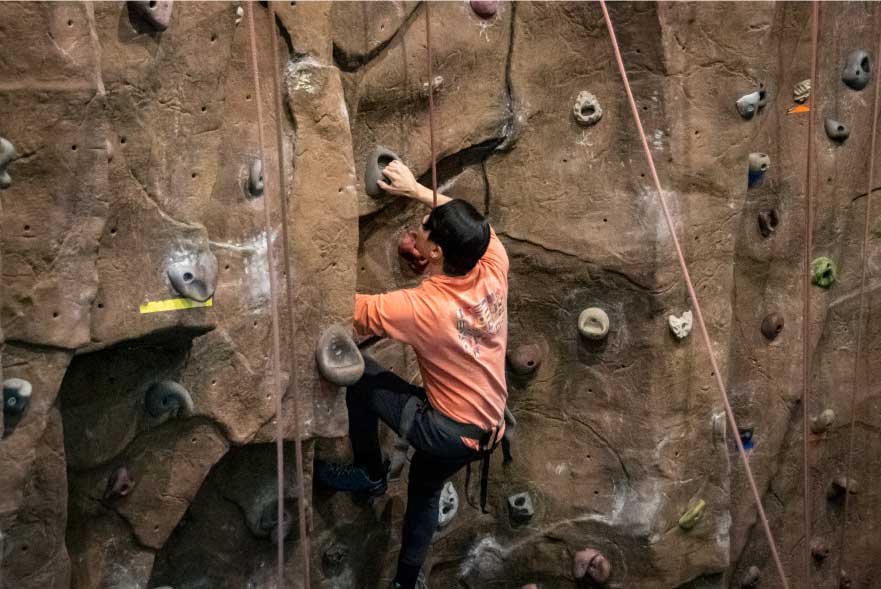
pixel 681 326
pixel 525 359
pixel 7 154
pixel 824 272
pixel 156 12
pixel 520 508
pixel 801 91
pixel 378 159
pixel 255 178
pixel 768 221
pixel 593 323
pixel 194 276
pixel 587 110
pixel 592 563
pixel 168 398
pixel 119 484
pixel 748 104
pixel 772 326
pixel 823 421
pixel 857 70
pixel 448 505
pixel 836 131
pixel 339 359
pixel 693 515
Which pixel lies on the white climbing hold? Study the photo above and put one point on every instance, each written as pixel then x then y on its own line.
pixel 448 505
pixel 593 323
pixel 680 326
pixel 240 14
pixel 801 91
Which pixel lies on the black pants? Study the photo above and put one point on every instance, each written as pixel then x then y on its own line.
pixel 381 394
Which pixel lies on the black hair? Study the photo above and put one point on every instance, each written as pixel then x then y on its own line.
pixel 461 232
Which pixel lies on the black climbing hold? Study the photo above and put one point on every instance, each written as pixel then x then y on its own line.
pixel 119 484
pixel 839 486
pixel 823 421
pixel 378 159
pixel 167 397
pixel 768 221
pixel 836 131
pixel 758 165
pixel 16 396
pixel 748 104
pixel 587 110
pixel 820 550
pixel 7 153
pixel 485 8
pixel 333 561
pixel 448 505
pixel 339 360
pixel 751 578
pixel 520 508
pixel 156 12
pixel 194 276
pixel 857 69
pixel 591 563
pixel 772 325
pixel 255 178
pixel 763 95
pixel 525 359
pixel 746 437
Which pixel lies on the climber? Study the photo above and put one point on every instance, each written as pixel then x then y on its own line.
pixel 456 321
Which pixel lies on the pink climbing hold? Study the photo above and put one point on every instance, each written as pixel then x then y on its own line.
pixel 119 484
pixel 407 250
pixel 525 359
pixel 593 563
pixel 485 8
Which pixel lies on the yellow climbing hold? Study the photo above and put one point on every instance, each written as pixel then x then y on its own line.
pixel 798 109
pixel 174 305
pixel 694 514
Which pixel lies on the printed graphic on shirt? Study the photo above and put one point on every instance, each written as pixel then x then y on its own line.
pixel 480 322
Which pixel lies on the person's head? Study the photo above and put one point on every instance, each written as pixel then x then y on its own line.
pixel 454 236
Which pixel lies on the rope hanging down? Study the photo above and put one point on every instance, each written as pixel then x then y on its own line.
pixel 694 300
pixel 862 312
pixel 430 105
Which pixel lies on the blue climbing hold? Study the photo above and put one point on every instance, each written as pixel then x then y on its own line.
pixel 746 437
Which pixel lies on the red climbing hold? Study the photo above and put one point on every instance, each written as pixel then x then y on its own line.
pixel 407 250
pixel 485 8
pixel 593 563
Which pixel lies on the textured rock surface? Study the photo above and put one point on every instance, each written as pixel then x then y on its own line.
pixel 135 149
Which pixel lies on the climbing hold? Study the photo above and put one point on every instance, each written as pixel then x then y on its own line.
pixel 407 250
pixel 194 276
pixel 758 165
pixel 748 104
pixel 485 8
pixel 7 153
pixel 823 421
pixel 333 560
pixel 156 12
pixel 520 508
pixel 255 178
pixel 530 586
pixel 824 272
pixel 240 14
pixel 525 359
pixel 167 397
pixel 746 437
pixel 857 70
pixel 680 326
pixel 268 523
pixel 16 397
pixel 845 582
pixel 801 91
pixel 339 360
pixel 752 577
pixel 768 221
pixel 839 486
pixel 836 131
pixel 378 159
pixel 720 429
pixel 819 550
pixel 772 325
pixel 593 563
pixel 587 110
pixel 693 515
pixel 593 323
pixel 448 505
pixel 763 95
pixel 119 484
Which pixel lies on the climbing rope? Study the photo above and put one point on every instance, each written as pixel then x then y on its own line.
pixel 860 323
pixel 292 299
pixel 693 296
pixel 807 371
pixel 430 105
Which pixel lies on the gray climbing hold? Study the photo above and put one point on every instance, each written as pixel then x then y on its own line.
pixel 748 104
pixel 801 91
pixel 194 276
pixel 751 578
pixel 485 8
pixel 587 110
pixel 378 159
pixel 119 484
pixel 448 505
pixel 7 154
pixel 339 360
pixel 267 525
pixel 720 429
pixel 768 221
pixel 820 550
pixel 680 326
pixel 156 12
pixel 591 563
pixel 525 359
pixel 823 421
pixel 593 323
pixel 839 486
pixel 772 325
pixel 836 131
pixel 520 508
pixel 333 561
pixel 857 69
pixel 759 163
pixel 255 178
pixel 168 398
pixel 16 397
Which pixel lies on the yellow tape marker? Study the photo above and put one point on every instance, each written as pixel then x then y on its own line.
pixel 173 305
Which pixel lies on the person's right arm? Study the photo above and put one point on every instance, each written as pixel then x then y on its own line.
pixel 403 183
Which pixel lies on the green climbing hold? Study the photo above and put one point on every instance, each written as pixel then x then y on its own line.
pixel 824 272
pixel 694 514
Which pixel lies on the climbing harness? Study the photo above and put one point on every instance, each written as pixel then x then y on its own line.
pixel 862 305
pixel 430 106
pixel 693 296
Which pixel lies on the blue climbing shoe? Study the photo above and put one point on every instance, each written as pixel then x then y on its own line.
pixel 351 478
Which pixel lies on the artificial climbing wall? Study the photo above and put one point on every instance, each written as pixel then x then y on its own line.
pixel 136 180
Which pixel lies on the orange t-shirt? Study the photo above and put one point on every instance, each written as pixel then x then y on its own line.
pixel 458 327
